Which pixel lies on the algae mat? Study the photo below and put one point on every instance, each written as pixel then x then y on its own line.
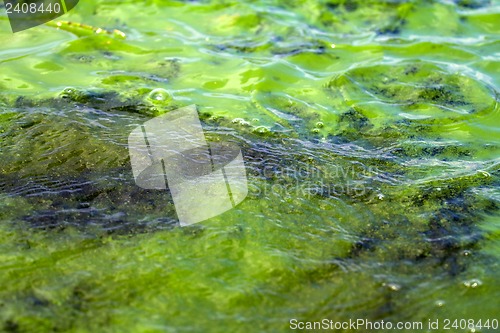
pixel 370 135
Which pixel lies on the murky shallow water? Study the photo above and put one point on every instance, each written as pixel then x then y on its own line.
pixel 370 135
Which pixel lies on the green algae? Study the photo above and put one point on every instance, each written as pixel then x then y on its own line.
pixel 369 132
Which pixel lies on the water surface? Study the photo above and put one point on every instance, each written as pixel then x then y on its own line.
pixel 371 140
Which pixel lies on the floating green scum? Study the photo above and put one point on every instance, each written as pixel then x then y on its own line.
pixel 370 136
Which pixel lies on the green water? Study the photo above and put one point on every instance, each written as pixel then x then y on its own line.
pixel 371 141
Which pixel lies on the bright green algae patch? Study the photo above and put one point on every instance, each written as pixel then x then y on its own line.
pixel 369 131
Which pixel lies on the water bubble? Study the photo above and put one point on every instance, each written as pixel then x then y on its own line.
pixel 216 118
pixel 69 90
pixel 466 253
pixel 159 95
pixel 261 130
pixel 473 283
pixel 485 173
pixel 392 286
pixel 440 303
pixel 320 124
pixel 241 122
pixel 315 130
pixel 73 94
